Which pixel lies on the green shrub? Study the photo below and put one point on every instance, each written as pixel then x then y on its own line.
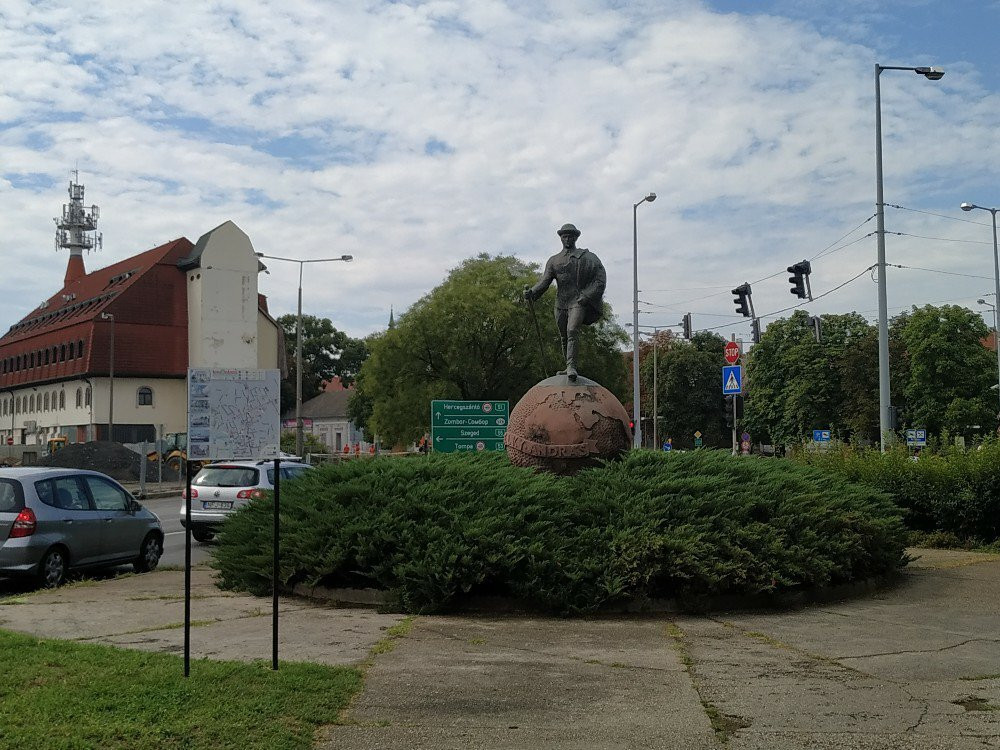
pixel 952 491
pixel 653 525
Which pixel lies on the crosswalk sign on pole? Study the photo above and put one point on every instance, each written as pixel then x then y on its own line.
pixel 732 379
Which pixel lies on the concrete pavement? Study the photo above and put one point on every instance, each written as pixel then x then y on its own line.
pixel 914 667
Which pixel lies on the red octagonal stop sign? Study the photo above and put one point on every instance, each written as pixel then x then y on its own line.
pixel 732 352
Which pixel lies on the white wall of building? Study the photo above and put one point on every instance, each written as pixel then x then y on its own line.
pixel 222 302
pixel 61 414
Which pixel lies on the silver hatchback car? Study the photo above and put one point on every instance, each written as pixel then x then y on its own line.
pixel 54 520
pixel 220 489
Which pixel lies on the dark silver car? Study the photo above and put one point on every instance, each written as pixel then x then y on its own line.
pixel 55 520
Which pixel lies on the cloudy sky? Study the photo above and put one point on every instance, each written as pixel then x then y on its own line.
pixel 414 135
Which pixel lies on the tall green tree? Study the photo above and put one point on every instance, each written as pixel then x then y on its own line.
pixel 326 353
pixel 688 396
pixel 795 384
pixel 950 371
pixel 473 337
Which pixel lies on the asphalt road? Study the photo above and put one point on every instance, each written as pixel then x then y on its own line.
pixel 168 510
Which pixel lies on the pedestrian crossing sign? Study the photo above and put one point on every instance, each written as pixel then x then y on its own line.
pixel 732 379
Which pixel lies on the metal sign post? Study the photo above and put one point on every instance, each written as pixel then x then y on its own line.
pixel 187 570
pixel 274 577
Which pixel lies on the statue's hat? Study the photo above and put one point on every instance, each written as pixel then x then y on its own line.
pixel 568 229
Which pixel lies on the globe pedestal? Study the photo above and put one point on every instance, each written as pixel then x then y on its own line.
pixel 562 426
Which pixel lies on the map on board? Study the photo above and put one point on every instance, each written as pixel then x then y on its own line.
pixel 233 414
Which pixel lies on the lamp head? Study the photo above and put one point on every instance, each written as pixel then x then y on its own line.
pixel 981 301
pixel 347 258
pixel 931 74
pixel 651 197
pixel 967 206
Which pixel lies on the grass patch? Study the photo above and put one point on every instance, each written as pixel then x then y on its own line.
pixel 58 695
pixel 448 527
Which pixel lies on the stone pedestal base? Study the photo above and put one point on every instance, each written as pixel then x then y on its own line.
pixel 564 425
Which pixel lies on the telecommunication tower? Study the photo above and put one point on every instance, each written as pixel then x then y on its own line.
pixel 76 229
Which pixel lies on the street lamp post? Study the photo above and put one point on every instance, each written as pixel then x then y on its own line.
pixel 299 437
pixel 656 411
pixel 884 399
pixel 111 378
pixel 636 416
pixel 996 281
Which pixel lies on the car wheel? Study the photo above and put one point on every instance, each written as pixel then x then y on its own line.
pixel 203 535
pixel 149 554
pixel 52 570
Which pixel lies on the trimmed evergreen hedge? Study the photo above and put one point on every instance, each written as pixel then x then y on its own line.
pixel 953 491
pixel 433 530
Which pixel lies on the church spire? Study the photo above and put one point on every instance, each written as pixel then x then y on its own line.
pixel 76 230
pixel 392 321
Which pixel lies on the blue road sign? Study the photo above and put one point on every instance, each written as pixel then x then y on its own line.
pixel 821 436
pixel 916 438
pixel 732 379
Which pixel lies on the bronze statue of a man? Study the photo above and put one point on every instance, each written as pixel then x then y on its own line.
pixel 580 280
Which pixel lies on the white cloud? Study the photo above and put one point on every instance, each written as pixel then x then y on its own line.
pixel 755 131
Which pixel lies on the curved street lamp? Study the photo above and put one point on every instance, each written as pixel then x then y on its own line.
pixel 996 281
pixel 636 416
pixel 884 399
pixel 298 340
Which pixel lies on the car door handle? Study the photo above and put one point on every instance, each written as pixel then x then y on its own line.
pixel 68 520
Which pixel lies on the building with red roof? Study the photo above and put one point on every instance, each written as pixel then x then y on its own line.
pixel 106 356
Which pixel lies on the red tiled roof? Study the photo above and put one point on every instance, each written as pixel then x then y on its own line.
pixel 146 294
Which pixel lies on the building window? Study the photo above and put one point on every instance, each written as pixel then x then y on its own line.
pixel 71 356
pixel 62 353
pixel 46 356
pixel 79 397
pixel 31 404
pixel 144 396
pixel 79 348
pixel 62 399
pixel 86 397
pixel 31 360
pixel 46 401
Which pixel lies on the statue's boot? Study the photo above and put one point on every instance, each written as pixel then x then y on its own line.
pixel 571 340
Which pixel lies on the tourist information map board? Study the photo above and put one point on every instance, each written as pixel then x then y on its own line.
pixel 233 414
pixel 468 425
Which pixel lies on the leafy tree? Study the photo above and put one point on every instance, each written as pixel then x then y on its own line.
pixel 688 396
pixel 950 371
pixel 473 337
pixel 794 383
pixel 326 353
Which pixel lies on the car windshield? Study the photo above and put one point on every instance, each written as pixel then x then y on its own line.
pixel 227 476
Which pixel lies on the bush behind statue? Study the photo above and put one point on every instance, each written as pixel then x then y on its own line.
pixel 435 530
pixel 953 491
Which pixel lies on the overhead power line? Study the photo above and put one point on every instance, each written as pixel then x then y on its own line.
pixel 931 213
pixel 941 239
pixel 938 270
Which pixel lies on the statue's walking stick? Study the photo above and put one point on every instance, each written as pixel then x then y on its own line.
pixel 538 332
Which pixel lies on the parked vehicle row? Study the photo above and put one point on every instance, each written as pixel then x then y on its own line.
pixel 57 520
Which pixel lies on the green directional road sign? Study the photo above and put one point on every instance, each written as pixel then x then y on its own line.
pixel 468 425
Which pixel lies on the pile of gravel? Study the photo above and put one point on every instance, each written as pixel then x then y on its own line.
pixel 113 459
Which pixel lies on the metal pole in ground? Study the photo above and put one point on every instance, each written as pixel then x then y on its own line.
pixel 187 571
pixel 274 576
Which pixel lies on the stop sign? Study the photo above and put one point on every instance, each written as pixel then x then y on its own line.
pixel 10 441
pixel 732 352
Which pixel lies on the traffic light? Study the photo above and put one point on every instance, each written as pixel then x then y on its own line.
pixel 816 323
pixel 744 305
pixel 687 326
pixel 800 279
pixel 729 409
pixel 756 330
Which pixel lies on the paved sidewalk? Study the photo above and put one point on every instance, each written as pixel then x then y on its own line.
pixel 914 667
pixel 147 612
